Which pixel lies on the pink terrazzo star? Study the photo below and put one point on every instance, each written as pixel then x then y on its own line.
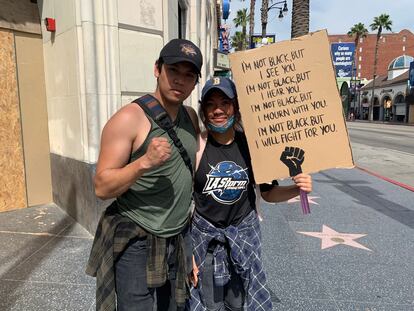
pixel 330 237
pixel 310 200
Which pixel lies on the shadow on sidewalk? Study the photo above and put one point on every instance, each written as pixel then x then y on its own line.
pixel 370 197
pixel 13 288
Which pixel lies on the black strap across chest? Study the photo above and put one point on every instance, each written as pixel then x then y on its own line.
pixel 153 108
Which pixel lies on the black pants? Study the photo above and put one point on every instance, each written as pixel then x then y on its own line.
pixel 131 281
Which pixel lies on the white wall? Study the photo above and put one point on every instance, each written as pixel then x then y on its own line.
pixel 102 56
pixel 82 74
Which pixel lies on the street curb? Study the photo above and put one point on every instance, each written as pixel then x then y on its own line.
pixel 386 179
pixel 381 122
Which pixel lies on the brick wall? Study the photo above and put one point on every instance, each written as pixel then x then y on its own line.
pixel 391 45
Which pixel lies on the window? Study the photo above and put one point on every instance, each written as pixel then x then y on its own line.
pixel 404 38
pixel 361 40
pixel 360 58
pixel 404 48
pixel 180 22
pixel 360 50
pixel 182 18
pixel 383 39
pixel 359 66
pixel 359 75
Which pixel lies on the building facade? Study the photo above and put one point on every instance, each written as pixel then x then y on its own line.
pixel 393 52
pixel 25 178
pixel 390 93
pixel 391 45
pixel 99 58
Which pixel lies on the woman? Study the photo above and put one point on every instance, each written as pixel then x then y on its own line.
pixel 225 228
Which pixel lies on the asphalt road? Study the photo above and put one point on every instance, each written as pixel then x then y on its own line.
pixel 385 149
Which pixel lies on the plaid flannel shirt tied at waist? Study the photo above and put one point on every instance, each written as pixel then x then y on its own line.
pixel 243 244
pixel 112 236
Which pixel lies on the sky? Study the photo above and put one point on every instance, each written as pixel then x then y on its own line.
pixel 337 16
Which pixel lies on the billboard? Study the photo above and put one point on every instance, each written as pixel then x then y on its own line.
pixel 256 40
pixel 224 43
pixel 411 76
pixel 342 56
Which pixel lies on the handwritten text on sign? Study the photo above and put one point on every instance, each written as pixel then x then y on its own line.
pixel 288 96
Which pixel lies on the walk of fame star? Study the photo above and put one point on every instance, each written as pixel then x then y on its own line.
pixel 310 200
pixel 330 237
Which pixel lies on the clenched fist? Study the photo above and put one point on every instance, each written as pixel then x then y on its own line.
pixel 293 158
pixel 158 151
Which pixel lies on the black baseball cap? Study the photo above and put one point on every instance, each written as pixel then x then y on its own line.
pixel 223 84
pixel 181 50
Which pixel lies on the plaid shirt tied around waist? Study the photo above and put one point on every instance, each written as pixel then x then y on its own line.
pixel 243 244
pixel 112 236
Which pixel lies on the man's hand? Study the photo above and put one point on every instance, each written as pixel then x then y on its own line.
pixel 158 151
pixel 293 158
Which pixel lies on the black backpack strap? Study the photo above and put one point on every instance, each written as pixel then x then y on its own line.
pixel 153 108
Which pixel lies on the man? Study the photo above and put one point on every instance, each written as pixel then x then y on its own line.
pixel 141 245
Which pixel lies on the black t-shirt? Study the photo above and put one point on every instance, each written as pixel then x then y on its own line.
pixel 224 183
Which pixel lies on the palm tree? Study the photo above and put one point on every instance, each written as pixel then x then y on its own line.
pixel 241 19
pixel 251 20
pixel 359 31
pixel 300 18
pixel 380 23
pixel 265 5
pixel 238 41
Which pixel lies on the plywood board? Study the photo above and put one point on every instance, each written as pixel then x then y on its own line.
pixel 12 177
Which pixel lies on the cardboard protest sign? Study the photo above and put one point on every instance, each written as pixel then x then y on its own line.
pixel 291 109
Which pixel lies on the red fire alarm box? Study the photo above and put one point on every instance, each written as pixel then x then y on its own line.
pixel 50 24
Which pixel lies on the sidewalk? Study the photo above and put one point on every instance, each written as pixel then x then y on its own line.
pixel 43 254
pixel 43 251
pixel 374 273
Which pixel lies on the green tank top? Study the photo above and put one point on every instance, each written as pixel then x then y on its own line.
pixel 159 201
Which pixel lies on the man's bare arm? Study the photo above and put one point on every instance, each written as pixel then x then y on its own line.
pixel 113 175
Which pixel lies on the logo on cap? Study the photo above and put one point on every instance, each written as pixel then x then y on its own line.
pixel 216 81
pixel 188 50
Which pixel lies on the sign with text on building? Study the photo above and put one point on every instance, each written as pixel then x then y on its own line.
pixel 256 40
pixel 221 60
pixel 291 109
pixel 411 75
pixel 342 56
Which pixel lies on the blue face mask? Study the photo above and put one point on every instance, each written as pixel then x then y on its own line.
pixel 221 128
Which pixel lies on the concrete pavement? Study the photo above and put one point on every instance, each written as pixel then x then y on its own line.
pixel 42 261
pixel 303 276
pixel 43 251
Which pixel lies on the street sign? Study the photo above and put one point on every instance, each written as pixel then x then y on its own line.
pixel 221 60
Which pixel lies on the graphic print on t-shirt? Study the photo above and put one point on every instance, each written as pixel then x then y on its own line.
pixel 226 182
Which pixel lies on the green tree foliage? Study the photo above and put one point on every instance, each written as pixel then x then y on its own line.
pixel 382 22
pixel 242 19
